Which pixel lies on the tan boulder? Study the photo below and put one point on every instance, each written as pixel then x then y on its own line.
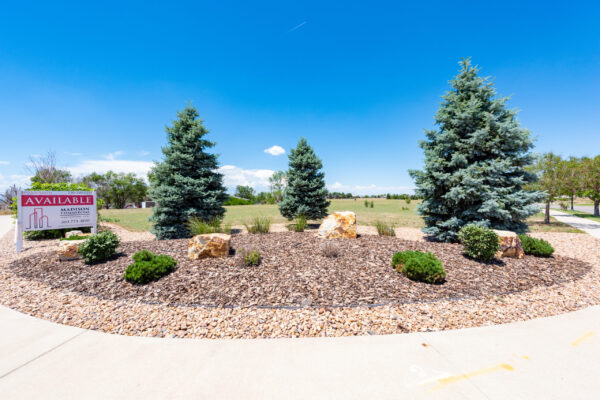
pixel 209 245
pixel 339 225
pixel 67 249
pixel 510 245
pixel 73 233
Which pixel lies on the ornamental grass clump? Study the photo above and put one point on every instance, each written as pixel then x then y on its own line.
pixel 419 266
pixel 258 225
pixel 299 224
pixel 99 247
pixel 536 247
pixel 479 242
pixel 385 229
pixel 330 249
pixel 198 226
pixel 148 267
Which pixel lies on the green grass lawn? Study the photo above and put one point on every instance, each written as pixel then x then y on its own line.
pixel 392 211
pixel 582 215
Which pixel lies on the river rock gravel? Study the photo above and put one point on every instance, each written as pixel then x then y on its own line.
pixel 59 301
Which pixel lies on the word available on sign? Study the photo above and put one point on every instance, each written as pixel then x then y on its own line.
pixel 38 211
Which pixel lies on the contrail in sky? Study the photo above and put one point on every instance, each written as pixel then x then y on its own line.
pixel 300 25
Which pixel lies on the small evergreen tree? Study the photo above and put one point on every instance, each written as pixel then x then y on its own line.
pixel 185 184
pixel 475 162
pixel 306 194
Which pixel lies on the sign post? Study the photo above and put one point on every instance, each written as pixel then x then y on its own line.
pixel 44 210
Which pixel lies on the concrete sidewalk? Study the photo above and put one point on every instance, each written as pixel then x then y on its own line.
pixel 550 358
pixel 586 225
pixel 6 224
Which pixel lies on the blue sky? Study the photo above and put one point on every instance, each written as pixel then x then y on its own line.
pixel 97 83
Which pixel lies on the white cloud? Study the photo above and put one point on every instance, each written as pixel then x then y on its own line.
pixel 234 176
pixel 112 156
pixel 4 162
pixel 140 168
pixel 144 153
pixel 275 150
pixel 370 189
pixel 22 181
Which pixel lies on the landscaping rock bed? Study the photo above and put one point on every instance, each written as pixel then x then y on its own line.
pixel 295 273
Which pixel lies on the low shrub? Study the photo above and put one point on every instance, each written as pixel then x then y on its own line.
pixel 148 267
pixel 419 266
pixel 258 225
pixel 299 224
pixel 399 258
pixel 536 247
pixel 385 229
pixel 330 249
pixel 372 204
pixel 251 258
pixel 198 226
pixel 367 203
pixel 99 247
pixel 480 243
pixel 407 200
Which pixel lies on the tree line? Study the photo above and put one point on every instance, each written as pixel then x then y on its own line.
pixel 572 177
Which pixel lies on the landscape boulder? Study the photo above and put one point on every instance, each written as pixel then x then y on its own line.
pixel 339 225
pixel 73 233
pixel 510 245
pixel 67 249
pixel 209 245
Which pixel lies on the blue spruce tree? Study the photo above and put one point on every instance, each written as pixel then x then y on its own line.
pixel 185 184
pixel 475 162
pixel 306 194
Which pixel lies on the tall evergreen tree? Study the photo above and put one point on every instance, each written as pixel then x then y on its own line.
pixel 185 184
pixel 306 194
pixel 475 162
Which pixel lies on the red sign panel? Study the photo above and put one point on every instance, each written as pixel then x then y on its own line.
pixel 56 200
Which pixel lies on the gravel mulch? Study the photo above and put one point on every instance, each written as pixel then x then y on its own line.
pixel 131 317
pixel 295 273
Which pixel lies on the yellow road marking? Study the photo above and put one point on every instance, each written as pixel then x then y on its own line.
pixel 584 338
pixel 443 382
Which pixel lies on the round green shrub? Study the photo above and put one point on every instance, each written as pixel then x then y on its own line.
pixel 143 255
pixel 419 266
pixel 148 267
pixel 424 268
pixel 536 247
pixel 99 247
pixel 479 242
pixel 398 259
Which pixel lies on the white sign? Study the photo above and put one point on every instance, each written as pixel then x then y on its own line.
pixel 38 211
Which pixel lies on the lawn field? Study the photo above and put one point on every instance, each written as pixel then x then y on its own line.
pixel 396 211
pixel 391 211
